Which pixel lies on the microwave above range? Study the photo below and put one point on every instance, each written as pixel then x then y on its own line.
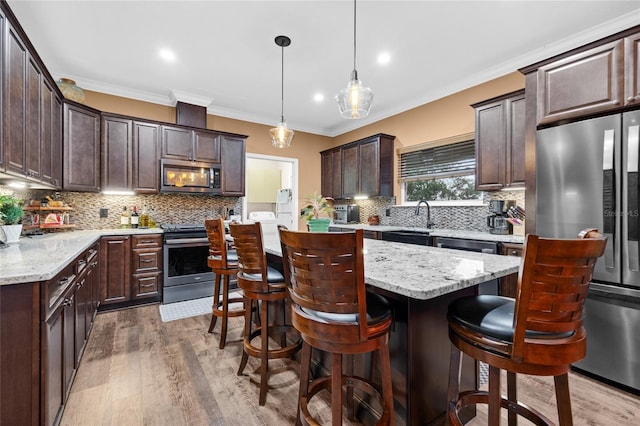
pixel 190 176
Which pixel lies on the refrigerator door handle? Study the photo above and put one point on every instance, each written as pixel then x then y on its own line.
pixel 609 216
pixel 632 213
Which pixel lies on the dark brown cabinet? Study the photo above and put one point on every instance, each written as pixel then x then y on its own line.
pixel 130 268
pixel 117 153
pixel 146 261
pixel 69 311
pixel 130 155
pixel 331 173
pixel 509 284
pixel 81 171
pixel 594 79
pixel 233 165
pixel 14 100
pixel 363 167
pixel 188 144
pixel 146 157
pixel 500 142
pixel 115 267
pixel 51 136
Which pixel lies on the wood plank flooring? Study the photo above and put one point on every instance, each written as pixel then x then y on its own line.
pixel 138 370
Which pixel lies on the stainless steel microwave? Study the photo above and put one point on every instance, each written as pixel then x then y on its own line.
pixel 190 176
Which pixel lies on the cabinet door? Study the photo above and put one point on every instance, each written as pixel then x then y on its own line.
pixel 515 141
pixel 46 127
pixel 585 83
pixel 206 147
pixel 53 366
pixel 32 121
pixel 232 167
pixel 82 299
pixel 350 173
pixel 81 149
pixel 490 146
pixel 326 174
pixel 14 105
pixel 509 284
pixel 115 266
pixel 632 69
pixel 369 168
pixel 177 143
pixel 56 140
pixel 117 135
pixel 146 157
pixel 336 161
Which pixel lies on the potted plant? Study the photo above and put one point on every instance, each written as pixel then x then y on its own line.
pixel 10 216
pixel 316 206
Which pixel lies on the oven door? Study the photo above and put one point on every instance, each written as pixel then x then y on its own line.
pixel 186 272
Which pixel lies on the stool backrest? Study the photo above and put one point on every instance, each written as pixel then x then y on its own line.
pixel 252 260
pixel 552 284
pixel 217 243
pixel 325 273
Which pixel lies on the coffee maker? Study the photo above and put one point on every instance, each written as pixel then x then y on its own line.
pixel 497 220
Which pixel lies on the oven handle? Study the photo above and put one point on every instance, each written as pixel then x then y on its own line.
pixel 186 241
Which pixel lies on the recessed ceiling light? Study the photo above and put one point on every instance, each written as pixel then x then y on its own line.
pixel 384 58
pixel 318 97
pixel 167 55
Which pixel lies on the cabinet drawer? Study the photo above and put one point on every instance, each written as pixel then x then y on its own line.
pixel 56 288
pixel 146 260
pixel 146 241
pixel 511 249
pixel 145 285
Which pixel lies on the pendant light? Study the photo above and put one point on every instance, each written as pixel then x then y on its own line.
pixel 281 135
pixel 355 100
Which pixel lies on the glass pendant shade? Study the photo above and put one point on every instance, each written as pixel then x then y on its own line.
pixel 355 100
pixel 281 135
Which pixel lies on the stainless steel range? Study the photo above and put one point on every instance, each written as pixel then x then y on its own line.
pixel 186 273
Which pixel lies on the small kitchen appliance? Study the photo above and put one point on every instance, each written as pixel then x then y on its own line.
pixel 497 220
pixel 346 213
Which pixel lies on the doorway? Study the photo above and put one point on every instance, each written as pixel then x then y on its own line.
pixel 272 185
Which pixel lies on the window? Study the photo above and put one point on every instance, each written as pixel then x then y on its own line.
pixel 441 173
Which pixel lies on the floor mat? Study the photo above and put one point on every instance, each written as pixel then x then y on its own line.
pixel 186 309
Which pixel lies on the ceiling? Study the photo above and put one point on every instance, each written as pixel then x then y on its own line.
pixel 226 57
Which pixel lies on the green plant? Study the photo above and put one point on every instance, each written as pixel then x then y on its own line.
pixel 315 205
pixel 10 210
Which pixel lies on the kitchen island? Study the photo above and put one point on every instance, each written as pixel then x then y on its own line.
pixel 420 282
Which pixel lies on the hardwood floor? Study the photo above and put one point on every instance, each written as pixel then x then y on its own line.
pixel 138 370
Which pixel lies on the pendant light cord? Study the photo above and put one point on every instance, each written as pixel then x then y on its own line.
pixel 354 35
pixel 282 86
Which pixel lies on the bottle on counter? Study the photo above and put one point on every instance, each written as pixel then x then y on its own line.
pixel 144 218
pixel 125 218
pixel 135 218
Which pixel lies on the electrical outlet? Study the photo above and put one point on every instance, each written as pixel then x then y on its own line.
pixel 104 212
pixel 387 212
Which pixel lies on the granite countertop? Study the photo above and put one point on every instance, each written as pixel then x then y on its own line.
pixel 438 232
pixel 40 258
pixel 422 272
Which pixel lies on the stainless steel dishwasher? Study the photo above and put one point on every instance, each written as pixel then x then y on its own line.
pixel 489 247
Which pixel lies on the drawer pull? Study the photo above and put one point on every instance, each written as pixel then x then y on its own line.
pixel 146 260
pixel 147 285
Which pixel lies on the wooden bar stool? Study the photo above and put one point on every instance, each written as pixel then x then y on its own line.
pixel 335 314
pixel 539 332
pixel 223 263
pixel 262 286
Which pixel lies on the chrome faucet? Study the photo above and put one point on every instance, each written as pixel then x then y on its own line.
pixel 429 223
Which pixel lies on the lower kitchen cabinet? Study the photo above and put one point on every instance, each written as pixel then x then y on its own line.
pixel 509 284
pixel 130 268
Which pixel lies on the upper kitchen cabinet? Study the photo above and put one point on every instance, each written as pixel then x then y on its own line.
pixel 31 111
pixel 81 170
pixel 233 165
pixel 363 167
pixel 130 154
pixel 331 185
pixel 600 77
pixel 193 145
pixel 500 142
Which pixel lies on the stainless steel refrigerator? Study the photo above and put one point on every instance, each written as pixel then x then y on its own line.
pixel 587 176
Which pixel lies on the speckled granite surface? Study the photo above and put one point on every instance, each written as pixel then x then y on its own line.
pixel 422 272
pixel 41 258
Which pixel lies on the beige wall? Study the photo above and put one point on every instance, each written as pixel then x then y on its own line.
pixel 446 117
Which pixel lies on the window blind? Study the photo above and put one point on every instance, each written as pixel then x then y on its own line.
pixel 456 159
